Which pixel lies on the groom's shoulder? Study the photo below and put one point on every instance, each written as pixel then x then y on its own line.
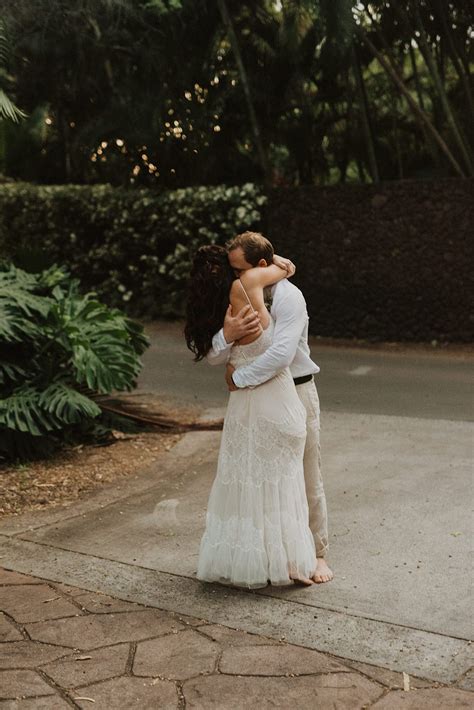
pixel 286 288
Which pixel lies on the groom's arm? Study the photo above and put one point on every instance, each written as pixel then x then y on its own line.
pixel 290 320
pixel 246 322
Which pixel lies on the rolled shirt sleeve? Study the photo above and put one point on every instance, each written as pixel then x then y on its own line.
pixel 290 320
pixel 220 351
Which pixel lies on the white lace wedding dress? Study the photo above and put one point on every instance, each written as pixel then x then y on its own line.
pixel 257 528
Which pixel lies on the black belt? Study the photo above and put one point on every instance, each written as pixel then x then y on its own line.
pixel 301 380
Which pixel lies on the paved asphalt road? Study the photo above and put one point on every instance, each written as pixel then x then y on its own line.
pixel 410 383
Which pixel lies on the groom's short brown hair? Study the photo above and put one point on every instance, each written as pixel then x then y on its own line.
pixel 254 245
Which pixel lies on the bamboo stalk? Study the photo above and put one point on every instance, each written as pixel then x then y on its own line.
pixel 227 20
pixel 417 111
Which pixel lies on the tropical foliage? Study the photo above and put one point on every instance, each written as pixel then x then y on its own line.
pixel 8 110
pixel 184 92
pixel 59 350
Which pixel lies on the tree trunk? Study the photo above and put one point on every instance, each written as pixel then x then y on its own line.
pixel 222 5
pixel 396 136
pixel 457 62
pixel 364 115
pixel 107 63
pixel 419 114
pixel 432 146
pixel 416 77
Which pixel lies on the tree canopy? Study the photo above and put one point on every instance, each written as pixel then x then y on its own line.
pixel 185 92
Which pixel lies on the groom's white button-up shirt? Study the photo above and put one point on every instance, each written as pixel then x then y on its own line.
pixel 289 347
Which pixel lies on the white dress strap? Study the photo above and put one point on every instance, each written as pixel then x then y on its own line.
pixel 246 294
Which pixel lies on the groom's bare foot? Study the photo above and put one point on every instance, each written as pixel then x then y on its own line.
pixel 323 572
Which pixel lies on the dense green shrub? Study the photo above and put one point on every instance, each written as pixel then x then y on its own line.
pixel 59 350
pixel 132 247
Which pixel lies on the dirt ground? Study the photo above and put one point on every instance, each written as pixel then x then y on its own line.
pixel 75 471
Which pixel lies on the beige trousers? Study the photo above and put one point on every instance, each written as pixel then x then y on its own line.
pixel 318 518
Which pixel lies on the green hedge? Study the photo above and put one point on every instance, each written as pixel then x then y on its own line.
pixel 132 247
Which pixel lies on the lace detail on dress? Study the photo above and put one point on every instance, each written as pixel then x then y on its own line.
pixel 266 453
pixel 245 354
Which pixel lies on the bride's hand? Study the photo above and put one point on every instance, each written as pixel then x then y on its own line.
pixel 285 264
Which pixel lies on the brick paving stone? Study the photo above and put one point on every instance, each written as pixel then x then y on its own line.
pixel 95 630
pixel 28 654
pixel 51 702
pixel 27 603
pixel 8 577
pixel 276 660
pixel 232 637
pixel 339 691
pixel 103 663
pixel 22 683
pixel 426 699
pixel 8 632
pixel 128 692
pixel 177 656
pixel 386 677
pixel 170 648
pixel 98 603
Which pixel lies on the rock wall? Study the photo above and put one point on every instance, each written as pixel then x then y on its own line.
pixel 387 262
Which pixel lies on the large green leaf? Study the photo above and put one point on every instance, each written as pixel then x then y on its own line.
pixel 11 372
pixel 22 411
pixel 67 404
pixel 14 327
pixel 105 363
pixel 17 292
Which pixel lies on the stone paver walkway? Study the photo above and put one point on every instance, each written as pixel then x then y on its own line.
pixel 63 647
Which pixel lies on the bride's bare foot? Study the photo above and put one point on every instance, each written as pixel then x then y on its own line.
pixel 299 579
pixel 323 573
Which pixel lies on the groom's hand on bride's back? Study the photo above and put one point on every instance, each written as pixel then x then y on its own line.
pixel 246 322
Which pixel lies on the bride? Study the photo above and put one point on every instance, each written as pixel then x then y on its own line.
pixel 257 528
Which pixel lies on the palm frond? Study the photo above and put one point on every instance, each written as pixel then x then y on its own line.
pixel 4 47
pixel 9 110
pixel 128 408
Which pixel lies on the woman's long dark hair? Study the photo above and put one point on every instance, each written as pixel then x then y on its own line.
pixel 208 298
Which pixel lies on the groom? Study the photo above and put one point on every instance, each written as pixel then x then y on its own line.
pixel 289 348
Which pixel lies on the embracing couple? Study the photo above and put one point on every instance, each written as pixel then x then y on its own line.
pixel 266 520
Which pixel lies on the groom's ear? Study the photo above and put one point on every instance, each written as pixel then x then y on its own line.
pixel 262 262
